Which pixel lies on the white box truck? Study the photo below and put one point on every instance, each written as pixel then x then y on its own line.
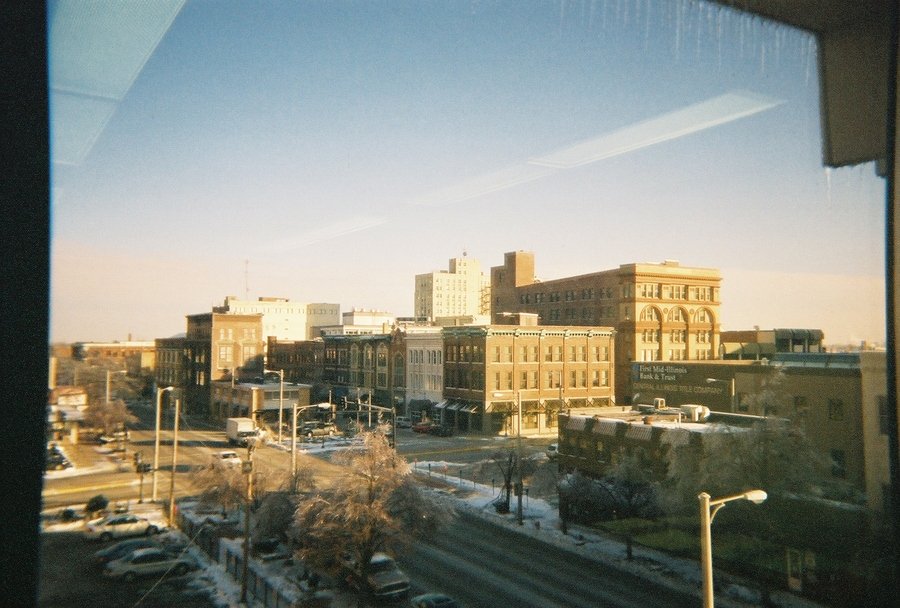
pixel 238 430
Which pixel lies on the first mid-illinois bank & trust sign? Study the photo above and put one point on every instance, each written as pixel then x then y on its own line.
pixel 677 384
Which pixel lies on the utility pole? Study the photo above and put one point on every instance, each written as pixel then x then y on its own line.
pixel 174 465
pixel 248 469
pixel 159 393
pixel 519 459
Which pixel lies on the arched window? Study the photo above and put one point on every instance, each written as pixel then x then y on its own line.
pixel 649 313
pixel 399 371
pixel 676 315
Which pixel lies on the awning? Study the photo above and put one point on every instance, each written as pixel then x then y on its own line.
pixel 576 423
pixel 454 406
pixel 606 428
pixel 469 409
pixel 441 405
pixel 639 432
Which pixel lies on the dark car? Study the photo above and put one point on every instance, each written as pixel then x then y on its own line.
pixel 441 430
pixel 434 600
pixel 56 461
pixel 121 549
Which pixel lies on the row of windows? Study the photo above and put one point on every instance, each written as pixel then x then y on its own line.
pixel 423 356
pixel 676 315
pixel 697 293
pixel 673 354
pixel 676 336
pixel 227 333
pixel 226 354
pixel 472 353
pixel 570 295
pixel 474 379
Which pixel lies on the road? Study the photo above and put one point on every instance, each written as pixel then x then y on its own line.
pixel 484 565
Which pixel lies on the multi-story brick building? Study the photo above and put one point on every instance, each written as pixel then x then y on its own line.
pixel 302 360
pixel 661 312
pixel 462 290
pixel 838 399
pixel 490 371
pixel 367 367
pixel 215 347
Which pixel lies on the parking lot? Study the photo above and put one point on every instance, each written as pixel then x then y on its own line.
pixel 69 579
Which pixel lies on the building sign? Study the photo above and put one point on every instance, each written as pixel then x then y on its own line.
pixel 675 383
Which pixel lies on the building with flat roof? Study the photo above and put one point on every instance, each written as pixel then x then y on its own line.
pixel 284 319
pixel 493 372
pixel 216 346
pixel 461 290
pixel 660 312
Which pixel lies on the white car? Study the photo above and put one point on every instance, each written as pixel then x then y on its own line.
pixel 149 562
pixel 119 526
pixel 227 458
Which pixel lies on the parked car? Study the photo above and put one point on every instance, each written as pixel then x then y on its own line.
pixel 434 600
pixel 423 426
pixel 56 461
pixel 227 458
pixel 317 429
pixel 149 562
pixel 123 548
pixel 441 430
pixel 384 579
pixel 403 422
pixel 119 526
pixel 114 437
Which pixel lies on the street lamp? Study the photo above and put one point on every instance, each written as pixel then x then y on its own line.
pixel 731 385
pixel 159 392
pixel 708 509
pixel 280 373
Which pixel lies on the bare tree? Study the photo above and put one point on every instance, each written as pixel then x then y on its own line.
pixel 110 416
pixel 276 511
pixel 374 506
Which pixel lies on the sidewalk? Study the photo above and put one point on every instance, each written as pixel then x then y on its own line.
pixel 541 522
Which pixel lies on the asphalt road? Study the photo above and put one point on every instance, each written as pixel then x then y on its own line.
pixel 485 566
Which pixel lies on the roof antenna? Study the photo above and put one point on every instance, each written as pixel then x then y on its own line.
pixel 246 284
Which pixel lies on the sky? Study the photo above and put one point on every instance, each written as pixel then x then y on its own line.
pixel 331 151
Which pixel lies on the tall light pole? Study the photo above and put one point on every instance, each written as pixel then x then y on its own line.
pixel 730 383
pixel 519 459
pixel 174 464
pixel 247 468
pixel 708 509
pixel 159 392
pixel 280 373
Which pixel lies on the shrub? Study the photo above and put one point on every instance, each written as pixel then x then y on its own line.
pixel 97 503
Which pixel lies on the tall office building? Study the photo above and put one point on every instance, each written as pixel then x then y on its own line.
pixel 284 319
pixel 661 312
pixel 462 290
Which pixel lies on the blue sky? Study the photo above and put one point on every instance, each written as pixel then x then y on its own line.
pixel 317 151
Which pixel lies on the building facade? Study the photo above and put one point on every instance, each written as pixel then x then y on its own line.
pixel 284 319
pixel 361 323
pixel 660 312
pixel 215 347
pixel 424 368
pixel 258 400
pixel 302 360
pixel 491 373
pixel 838 399
pixel 462 290
pixel 132 355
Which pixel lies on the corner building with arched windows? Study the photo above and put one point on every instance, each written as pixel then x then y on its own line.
pixel 660 312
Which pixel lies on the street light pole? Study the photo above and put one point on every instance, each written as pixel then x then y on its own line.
pixel 248 469
pixel 159 393
pixel 174 464
pixel 519 459
pixel 708 510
